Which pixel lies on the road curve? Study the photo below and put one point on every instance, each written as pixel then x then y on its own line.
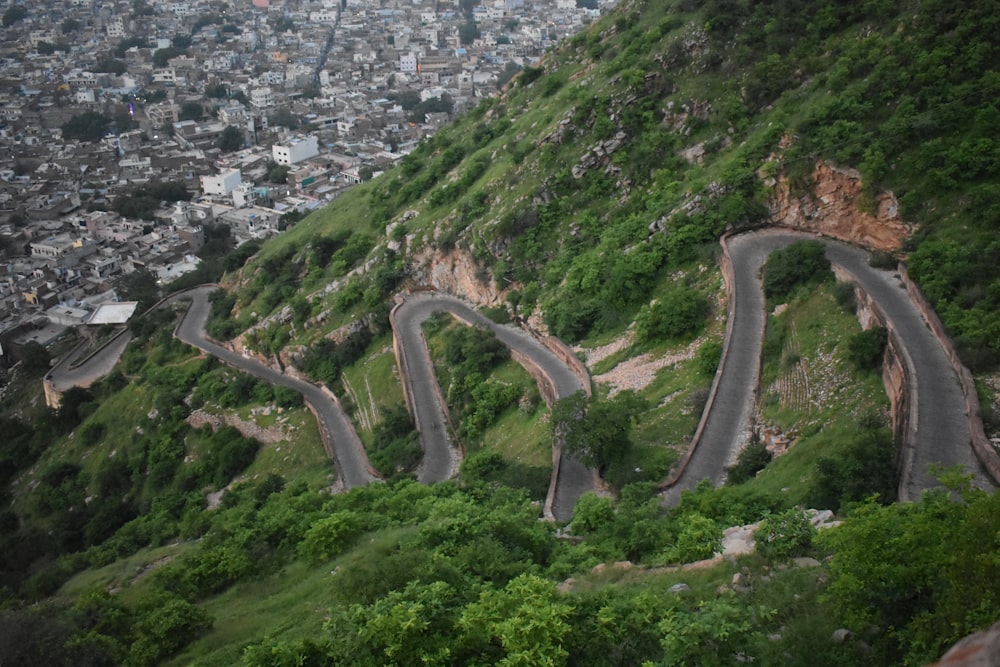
pixel 339 437
pixel 440 455
pixel 70 372
pixel 939 423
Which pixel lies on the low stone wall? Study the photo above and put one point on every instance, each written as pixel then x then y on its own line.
pixel 984 450
pixel 550 495
pixel 545 386
pixel 565 355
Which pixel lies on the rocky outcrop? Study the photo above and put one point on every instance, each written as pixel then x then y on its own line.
pixel 457 272
pixel 833 209
pixel 981 649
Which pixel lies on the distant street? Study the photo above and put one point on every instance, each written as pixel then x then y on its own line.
pixel 942 433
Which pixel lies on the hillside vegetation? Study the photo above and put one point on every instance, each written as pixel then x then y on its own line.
pixel 588 200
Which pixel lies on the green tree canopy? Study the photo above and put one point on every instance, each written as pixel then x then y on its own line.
pixel 800 263
pixel 596 430
pixel 87 126
pixel 231 139
pixel 13 15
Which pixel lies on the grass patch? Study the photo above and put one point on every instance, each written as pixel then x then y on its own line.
pixel 125 574
pixel 811 392
pixel 372 385
pixel 300 459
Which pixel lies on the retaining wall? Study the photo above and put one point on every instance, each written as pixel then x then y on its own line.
pixel 898 375
pixel 984 450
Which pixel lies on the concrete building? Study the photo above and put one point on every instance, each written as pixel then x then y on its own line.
pixel 221 184
pixel 295 150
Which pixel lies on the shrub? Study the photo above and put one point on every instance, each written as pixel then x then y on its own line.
pixel 709 356
pixel 699 539
pixel 784 535
pixel 865 349
pixel 803 262
pixel 752 460
pixel 843 293
pixel 678 314
pixel 879 259
pixel 329 536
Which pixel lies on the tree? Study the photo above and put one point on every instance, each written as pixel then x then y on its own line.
pixel 70 25
pixel 163 624
pixel 677 314
pixel 803 262
pixel 231 139
pixel 87 126
pixel 277 173
pixel 285 118
pixel 468 32
pixel 218 91
pixel 13 15
pixel 596 431
pixel 865 349
pixel 35 358
pixel 191 111
pixel 522 624
pixel 141 286
pixel 711 635
pixel 751 460
pixel 161 57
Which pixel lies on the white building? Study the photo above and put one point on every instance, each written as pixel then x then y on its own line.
pixel 116 28
pixel 295 150
pixel 221 184
pixel 408 62
pixel 262 98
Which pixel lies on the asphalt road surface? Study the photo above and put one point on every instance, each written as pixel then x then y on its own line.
pixel 67 374
pixel 941 427
pixel 339 436
pixel 440 455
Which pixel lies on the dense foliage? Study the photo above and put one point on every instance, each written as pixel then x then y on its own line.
pixel 801 263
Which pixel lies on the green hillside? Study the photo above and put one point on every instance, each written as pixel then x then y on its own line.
pixel 587 200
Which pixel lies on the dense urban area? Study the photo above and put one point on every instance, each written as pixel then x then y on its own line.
pixel 140 133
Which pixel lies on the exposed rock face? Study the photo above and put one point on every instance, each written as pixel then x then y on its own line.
pixel 832 209
pixel 981 649
pixel 457 272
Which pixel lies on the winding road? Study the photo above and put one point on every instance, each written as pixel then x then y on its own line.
pixel 939 425
pixel 572 478
pixel 339 437
pixel 70 372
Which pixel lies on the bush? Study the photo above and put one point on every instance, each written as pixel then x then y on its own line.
pixel 679 314
pixel 164 623
pixel 803 262
pixel 879 259
pixel 329 536
pixel 699 539
pixel 865 466
pixel 843 293
pixel 866 349
pixel 709 356
pixel 752 460
pixel 785 535
pixel 396 443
